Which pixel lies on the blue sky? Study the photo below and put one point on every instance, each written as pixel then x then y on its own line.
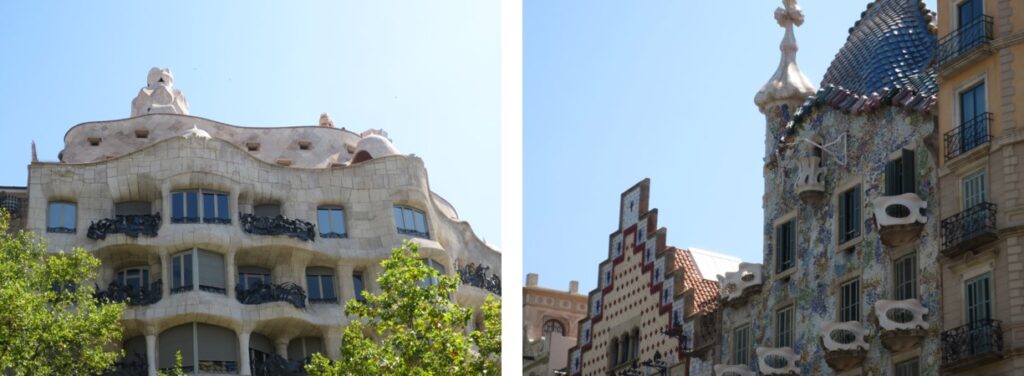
pixel 426 72
pixel 618 91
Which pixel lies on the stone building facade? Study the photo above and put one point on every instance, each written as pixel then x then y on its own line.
pixel 639 316
pixel 240 246
pixel 850 282
pixel 979 173
pixel 550 320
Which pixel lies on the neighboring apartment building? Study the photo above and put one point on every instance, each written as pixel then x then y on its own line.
pixel 550 319
pixel 980 51
pixel 240 246
pixel 850 282
pixel 638 319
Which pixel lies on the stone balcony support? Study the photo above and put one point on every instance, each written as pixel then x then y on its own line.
pixel 244 367
pixel 165 260
pixel 232 272
pixel 151 353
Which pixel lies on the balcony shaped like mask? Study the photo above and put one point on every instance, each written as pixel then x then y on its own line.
pixel 899 218
pixel 844 344
pixel 810 179
pixel 902 323
pixel 739 285
pixel 777 361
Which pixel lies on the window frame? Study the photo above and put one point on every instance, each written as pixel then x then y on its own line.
pixel 848 307
pixel 319 278
pixel 741 344
pixel 414 231
pixel 898 368
pixel 789 333
pixel 358 287
pixel 790 249
pixel 62 207
pixel 329 210
pixel 193 269
pixel 901 286
pixel 200 206
pixel 981 175
pixel 848 233
pixel 121 277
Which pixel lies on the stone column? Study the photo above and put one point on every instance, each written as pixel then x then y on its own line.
pixel 165 214
pixel 165 271
pixel 232 271
pixel 233 204
pixel 281 344
pixel 370 279
pixel 151 353
pixel 244 368
pixel 332 342
pixel 154 266
pixel 346 290
pixel 107 274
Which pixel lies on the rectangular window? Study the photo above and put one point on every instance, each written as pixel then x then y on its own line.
pixel 849 303
pixel 741 345
pixel 357 285
pixel 211 272
pixel 906 277
pixel 321 288
pixel 411 221
pixel 137 277
pixel 907 368
pixel 785 246
pixel 979 299
pixel 849 214
pixel 186 207
pixel 784 327
pixel 974 189
pixel 182 272
pixel 267 210
pixel 899 175
pixel 332 222
pixel 973 115
pixel 61 217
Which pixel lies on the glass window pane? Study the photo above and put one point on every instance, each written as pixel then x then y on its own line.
pixel 145 277
pixel 357 285
pixel 68 215
pixel 398 218
pixel 176 264
pixel 120 278
pixel 222 207
pixel 177 205
pixel 421 223
pixel 313 283
pixel 327 285
pixel 53 215
pixel 337 221
pixel 208 206
pixel 187 266
pixel 410 222
pixel 323 220
pixel 192 204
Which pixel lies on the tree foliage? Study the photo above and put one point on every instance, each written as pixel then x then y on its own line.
pixel 413 327
pixel 51 324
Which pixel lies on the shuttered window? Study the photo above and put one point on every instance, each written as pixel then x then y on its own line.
pixel 974 189
pixel 849 214
pixel 741 345
pixel 906 277
pixel 784 327
pixel 849 302
pixel 907 368
pixel 899 175
pixel 785 246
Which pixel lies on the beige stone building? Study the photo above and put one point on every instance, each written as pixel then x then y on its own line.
pixel 240 246
pixel 980 51
pixel 550 323
pixel 640 317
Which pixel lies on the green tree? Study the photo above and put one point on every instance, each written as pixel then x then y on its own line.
pixel 414 328
pixel 176 371
pixel 51 324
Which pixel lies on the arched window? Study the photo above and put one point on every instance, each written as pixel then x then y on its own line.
pixel 198 267
pixel 61 217
pixel 613 352
pixel 411 221
pixel 553 326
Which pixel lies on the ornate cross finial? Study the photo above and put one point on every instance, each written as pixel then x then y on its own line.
pixel 788 83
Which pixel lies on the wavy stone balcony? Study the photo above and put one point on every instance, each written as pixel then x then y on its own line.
pixel 279 225
pixel 899 219
pixel 969 229
pixel 261 293
pixel 733 370
pixel 777 361
pixel 131 294
pixel 130 225
pixel 479 276
pixel 902 323
pixel 739 285
pixel 844 344
pixel 810 179
pixel 972 344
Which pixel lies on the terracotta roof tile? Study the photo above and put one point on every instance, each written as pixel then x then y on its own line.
pixel 705 291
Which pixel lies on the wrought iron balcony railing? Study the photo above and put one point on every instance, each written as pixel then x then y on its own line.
pixel 13 204
pixel 276 365
pixel 478 276
pixel 131 294
pixel 278 225
pixel 967 136
pixel 186 288
pixel 131 225
pixel 972 342
pixel 261 293
pixel 969 228
pixel 965 39
pixel 323 300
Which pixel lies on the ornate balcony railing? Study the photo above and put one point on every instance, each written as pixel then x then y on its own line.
pixel 969 228
pixel 131 225
pixel 972 342
pixel 969 135
pixel 261 293
pixel 133 365
pixel 276 365
pixel 965 39
pixel 278 225
pixel 479 276
pixel 323 300
pixel 131 294
pixel 902 321
pixel 777 361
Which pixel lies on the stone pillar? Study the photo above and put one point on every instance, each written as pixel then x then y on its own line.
pixel 107 274
pixel 332 342
pixel 370 278
pixel 244 368
pixel 151 353
pixel 346 290
pixel 165 271
pixel 233 204
pixel 165 214
pixel 154 267
pixel 282 347
pixel 232 271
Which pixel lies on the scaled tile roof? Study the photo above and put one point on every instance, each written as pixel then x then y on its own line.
pixel 705 291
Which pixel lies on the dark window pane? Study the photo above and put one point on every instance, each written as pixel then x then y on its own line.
pixel 337 221
pixel 313 283
pixel 222 207
pixel 177 205
pixel 323 220
pixel 53 215
pixel 187 266
pixel 421 223
pixel 399 219
pixel 177 272
pixel 209 206
pixel 410 222
pixel 192 205
pixel 327 286
pixel 357 285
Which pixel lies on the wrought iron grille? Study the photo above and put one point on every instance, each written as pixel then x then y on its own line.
pixel 479 276
pixel 278 225
pixel 13 204
pixel 131 294
pixel 967 136
pixel 964 40
pixel 276 365
pixel 260 293
pixel 969 224
pixel 323 300
pixel 981 338
pixel 131 225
